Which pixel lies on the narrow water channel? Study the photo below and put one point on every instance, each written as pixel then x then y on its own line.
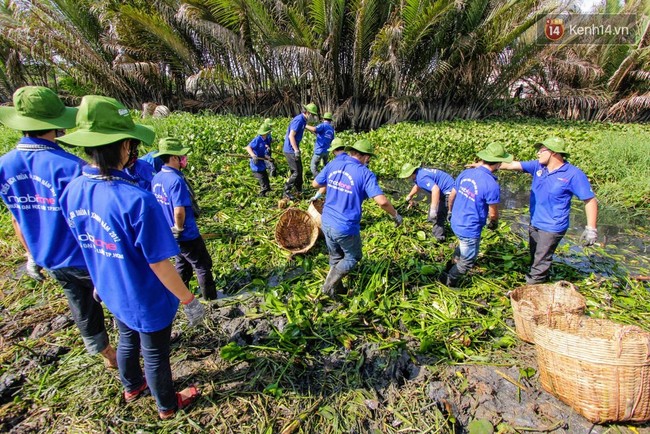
pixel 623 236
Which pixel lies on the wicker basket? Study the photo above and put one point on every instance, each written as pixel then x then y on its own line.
pixel 598 367
pixel 315 210
pixel 296 231
pixel 552 298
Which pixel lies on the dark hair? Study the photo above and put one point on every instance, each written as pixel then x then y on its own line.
pixel 165 158
pixel 493 163
pixel 108 156
pixel 36 134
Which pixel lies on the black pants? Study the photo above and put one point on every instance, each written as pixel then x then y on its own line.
pixel 295 167
pixel 263 178
pixel 194 256
pixel 438 230
pixel 542 245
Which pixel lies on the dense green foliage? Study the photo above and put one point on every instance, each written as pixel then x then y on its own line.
pixel 312 368
pixel 371 61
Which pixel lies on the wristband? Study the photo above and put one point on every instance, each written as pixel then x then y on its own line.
pixel 185 303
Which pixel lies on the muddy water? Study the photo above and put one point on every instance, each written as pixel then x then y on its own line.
pixel 623 236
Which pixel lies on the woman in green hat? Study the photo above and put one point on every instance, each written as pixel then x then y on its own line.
pixel 127 243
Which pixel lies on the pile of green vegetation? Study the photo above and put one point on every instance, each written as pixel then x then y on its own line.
pixel 276 358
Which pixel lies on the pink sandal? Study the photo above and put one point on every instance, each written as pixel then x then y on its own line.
pixel 184 399
pixel 136 393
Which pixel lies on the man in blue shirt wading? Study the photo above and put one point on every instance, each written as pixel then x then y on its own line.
pixel 173 195
pixel 433 182
pixel 32 178
pixel 555 182
pixel 291 149
pixel 473 200
pixel 324 136
pixel 349 182
pixel 258 151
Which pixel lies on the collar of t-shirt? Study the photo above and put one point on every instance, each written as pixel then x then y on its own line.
pixel 36 144
pixel 93 172
pixel 170 169
pixel 488 171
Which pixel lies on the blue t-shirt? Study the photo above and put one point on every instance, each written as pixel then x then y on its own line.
pixel 551 193
pixel 142 172
pixel 426 179
pixel 121 230
pixel 324 137
pixel 475 190
pixel 156 162
pixel 171 191
pixel 348 183
pixel 259 147
pixel 298 125
pixel 32 178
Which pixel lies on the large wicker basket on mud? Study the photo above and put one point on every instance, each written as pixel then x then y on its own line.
pixel 315 210
pixel 296 231
pixel 598 367
pixel 550 299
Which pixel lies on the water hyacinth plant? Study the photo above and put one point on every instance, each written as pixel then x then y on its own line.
pixel 400 352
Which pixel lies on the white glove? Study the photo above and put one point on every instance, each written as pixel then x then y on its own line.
pixel 589 236
pixel 32 269
pixel 177 232
pixel 194 311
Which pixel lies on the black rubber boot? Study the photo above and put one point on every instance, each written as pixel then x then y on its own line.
pixel 333 282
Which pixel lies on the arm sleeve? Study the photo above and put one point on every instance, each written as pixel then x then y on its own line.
pixel 153 235
pixel 371 186
pixel 179 195
pixel 529 166
pixel 581 187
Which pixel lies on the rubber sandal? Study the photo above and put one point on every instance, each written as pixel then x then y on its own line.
pixel 184 399
pixel 135 394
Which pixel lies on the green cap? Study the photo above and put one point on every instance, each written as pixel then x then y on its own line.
pixel 336 144
pixel 37 108
pixel 311 108
pixel 364 146
pixel 102 120
pixel 269 122
pixel 264 129
pixel 494 153
pixel 555 144
pixel 327 116
pixel 171 146
pixel 407 170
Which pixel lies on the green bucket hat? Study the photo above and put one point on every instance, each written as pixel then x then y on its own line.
pixel 171 146
pixel 37 108
pixel 269 122
pixel 327 116
pixel 102 120
pixel 264 129
pixel 364 146
pixel 337 144
pixel 311 108
pixel 494 153
pixel 555 144
pixel 407 170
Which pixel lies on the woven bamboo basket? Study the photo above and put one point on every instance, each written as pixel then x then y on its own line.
pixel 598 367
pixel 550 299
pixel 315 210
pixel 296 231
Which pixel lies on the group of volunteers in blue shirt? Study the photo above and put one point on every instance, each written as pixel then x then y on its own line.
pixel 474 196
pixel 101 235
pixel 106 230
